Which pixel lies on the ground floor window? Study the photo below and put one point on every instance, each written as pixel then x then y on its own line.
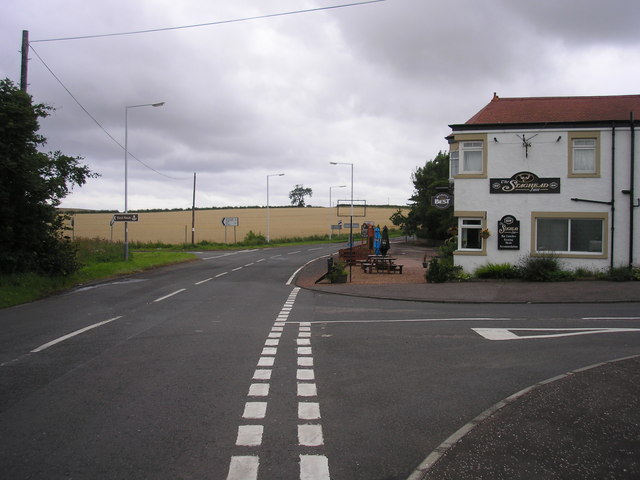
pixel 574 235
pixel 470 237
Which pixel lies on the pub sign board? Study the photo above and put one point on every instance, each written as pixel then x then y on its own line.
pixel 442 201
pixel 524 182
pixel 508 233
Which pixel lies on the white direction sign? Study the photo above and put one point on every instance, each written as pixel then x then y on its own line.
pixel 509 333
pixel 230 221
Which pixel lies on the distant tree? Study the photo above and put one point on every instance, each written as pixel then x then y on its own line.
pixel 297 195
pixel 423 219
pixel 32 184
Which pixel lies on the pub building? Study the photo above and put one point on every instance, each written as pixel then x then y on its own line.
pixel 547 175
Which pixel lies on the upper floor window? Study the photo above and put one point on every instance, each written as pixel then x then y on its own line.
pixel 584 157
pixel 454 163
pixel 468 155
pixel 472 157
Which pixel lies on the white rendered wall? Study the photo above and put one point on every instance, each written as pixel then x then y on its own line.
pixel 548 157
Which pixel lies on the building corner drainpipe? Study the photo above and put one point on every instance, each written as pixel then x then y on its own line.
pixel 631 188
pixel 613 193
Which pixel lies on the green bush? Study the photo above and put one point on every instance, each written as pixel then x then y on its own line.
pixel 623 274
pixel 497 271
pixel 440 271
pixel 448 247
pixel 337 271
pixel 96 250
pixel 544 268
pixel 251 239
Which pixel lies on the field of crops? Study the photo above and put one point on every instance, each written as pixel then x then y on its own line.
pixel 175 227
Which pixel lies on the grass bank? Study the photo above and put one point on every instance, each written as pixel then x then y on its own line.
pixel 26 287
pixel 101 259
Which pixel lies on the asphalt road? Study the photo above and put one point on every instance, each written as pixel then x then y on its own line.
pixel 218 369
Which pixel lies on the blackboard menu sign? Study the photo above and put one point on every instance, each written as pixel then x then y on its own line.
pixel 508 233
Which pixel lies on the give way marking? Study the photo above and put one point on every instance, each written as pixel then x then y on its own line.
pixel 510 333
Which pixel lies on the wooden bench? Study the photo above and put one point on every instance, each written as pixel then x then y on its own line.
pixel 367 267
pixel 385 267
pixel 396 268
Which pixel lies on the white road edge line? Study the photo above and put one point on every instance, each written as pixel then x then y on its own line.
pixel 170 295
pixel 72 334
pixel 298 270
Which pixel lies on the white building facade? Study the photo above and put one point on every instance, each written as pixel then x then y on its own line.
pixel 553 175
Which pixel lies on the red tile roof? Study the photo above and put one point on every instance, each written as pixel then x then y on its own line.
pixel 556 109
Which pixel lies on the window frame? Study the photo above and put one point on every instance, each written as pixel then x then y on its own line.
pixel 587 135
pixel 452 175
pixel 459 141
pixel 569 217
pixel 463 216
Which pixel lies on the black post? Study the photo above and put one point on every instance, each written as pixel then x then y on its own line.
pixel 25 60
pixel 632 188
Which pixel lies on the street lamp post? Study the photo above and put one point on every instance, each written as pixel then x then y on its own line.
pixel 272 175
pixel 331 205
pixel 350 217
pixel 126 169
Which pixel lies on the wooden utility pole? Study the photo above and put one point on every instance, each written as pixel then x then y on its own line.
pixel 193 212
pixel 25 60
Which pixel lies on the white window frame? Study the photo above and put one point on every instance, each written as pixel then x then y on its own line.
pixel 454 163
pixel 471 147
pixel 466 224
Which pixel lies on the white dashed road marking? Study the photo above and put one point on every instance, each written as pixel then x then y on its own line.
pixel 310 435
pixel 72 334
pixel 170 295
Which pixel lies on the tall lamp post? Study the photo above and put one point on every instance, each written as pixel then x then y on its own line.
pixel 350 217
pixel 272 175
pixel 331 205
pixel 126 169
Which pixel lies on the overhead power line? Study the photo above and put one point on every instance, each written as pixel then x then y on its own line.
pixel 96 121
pixel 197 25
pixel 221 22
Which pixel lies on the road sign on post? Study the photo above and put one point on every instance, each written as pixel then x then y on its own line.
pixel 124 217
pixel 230 221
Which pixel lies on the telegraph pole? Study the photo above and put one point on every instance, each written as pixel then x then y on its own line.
pixel 25 60
pixel 193 212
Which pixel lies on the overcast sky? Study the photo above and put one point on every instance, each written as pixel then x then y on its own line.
pixel 375 85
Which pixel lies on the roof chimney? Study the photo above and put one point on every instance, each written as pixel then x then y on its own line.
pixel 495 96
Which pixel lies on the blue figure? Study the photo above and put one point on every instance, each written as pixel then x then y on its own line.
pixel 377 240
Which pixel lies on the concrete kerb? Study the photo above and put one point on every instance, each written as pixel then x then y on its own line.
pixel 430 461
pixel 484 291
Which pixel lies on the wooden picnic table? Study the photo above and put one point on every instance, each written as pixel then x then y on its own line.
pixel 381 263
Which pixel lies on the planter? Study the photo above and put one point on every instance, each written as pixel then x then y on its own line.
pixel 340 278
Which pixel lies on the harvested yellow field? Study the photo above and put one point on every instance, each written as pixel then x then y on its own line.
pixel 175 227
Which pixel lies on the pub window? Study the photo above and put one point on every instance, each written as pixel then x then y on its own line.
pixel 569 235
pixel 472 161
pixel 470 237
pixel 584 156
pixel 454 163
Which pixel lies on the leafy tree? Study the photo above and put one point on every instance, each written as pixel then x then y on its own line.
pixel 423 219
pixel 297 195
pixel 32 184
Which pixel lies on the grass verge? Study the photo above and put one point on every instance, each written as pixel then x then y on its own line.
pixel 26 287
